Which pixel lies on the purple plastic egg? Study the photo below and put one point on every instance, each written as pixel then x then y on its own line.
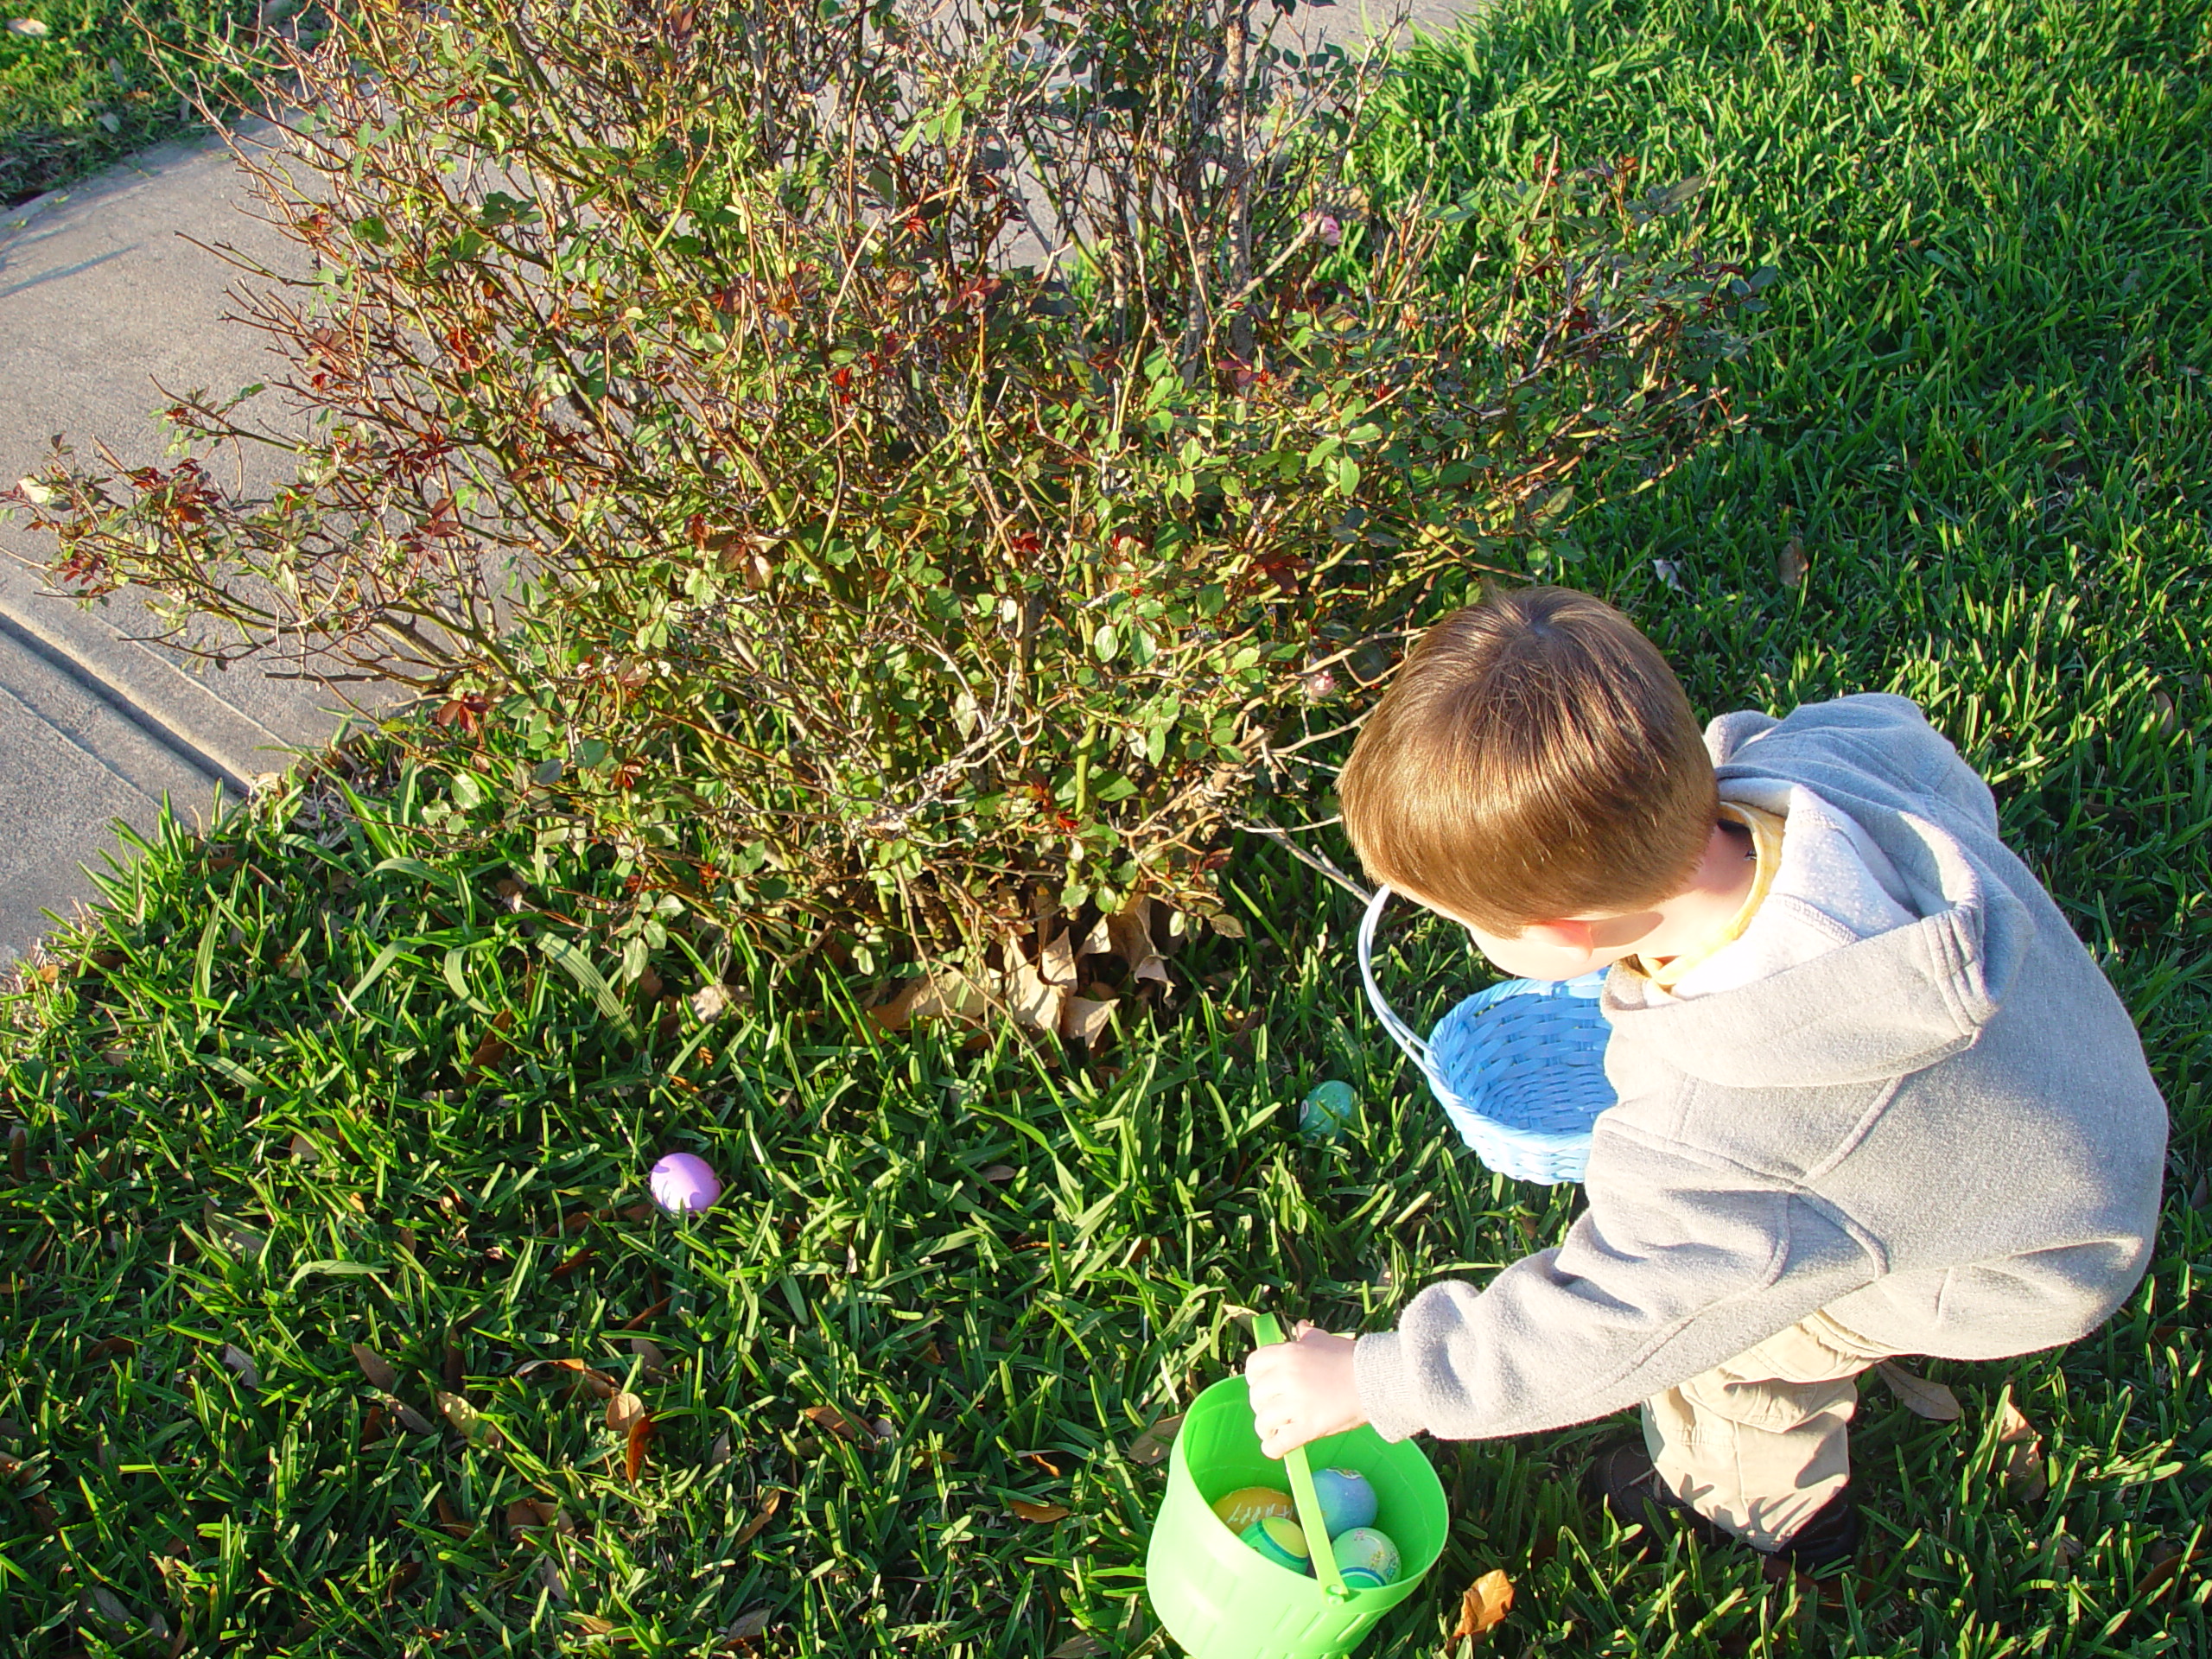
pixel 681 1181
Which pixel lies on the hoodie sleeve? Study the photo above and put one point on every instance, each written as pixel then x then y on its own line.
pixel 1677 1265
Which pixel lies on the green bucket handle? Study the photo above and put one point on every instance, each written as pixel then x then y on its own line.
pixel 1323 1553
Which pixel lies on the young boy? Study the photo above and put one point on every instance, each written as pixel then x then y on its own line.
pixel 1875 1098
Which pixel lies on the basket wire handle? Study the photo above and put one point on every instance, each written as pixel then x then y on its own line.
pixel 1310 1520
pixel 1416 1050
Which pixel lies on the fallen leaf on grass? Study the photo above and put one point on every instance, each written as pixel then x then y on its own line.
pixel 2022 1463
pixel 242 1362
pixel 474 1425
pixel 1484 1606
pixel 1046 1463
pixel 494 1046
pixel 2161 1562
pixel 111 1348
pixel 633 1450
pixel 761 1517
pixel 31 28
pixel 1000 1172
pixel 371 1426
pixel 718 1453
pixel 1789 564
pixel 592 1624
pixel 1151 1446
pixel 526 1515
pixel 1042 1512
pixel 375 1367
pixel 649 1353
pixel 1077 1647
pixel 601 1385
pixel 1918 1396
pixel 410 1419
pixel 836 1422
pixel 2199 1196
pixel 623 1409
pixel 19 1149
pixel 1055 961
pixel 1083 1018
pixel 748 1625
pixel 449 1521
pixel 302 1150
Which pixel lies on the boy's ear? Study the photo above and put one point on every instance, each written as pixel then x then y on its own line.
pixel 1568 935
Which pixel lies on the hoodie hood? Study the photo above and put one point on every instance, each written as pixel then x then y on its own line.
pixel 1875 1008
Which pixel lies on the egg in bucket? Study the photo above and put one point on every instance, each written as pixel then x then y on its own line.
pixel 1219 1597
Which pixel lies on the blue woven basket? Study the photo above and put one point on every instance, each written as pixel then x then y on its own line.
pixel 1519 1069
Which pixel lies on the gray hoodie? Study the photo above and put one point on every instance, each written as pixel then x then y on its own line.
pixel 1943 1133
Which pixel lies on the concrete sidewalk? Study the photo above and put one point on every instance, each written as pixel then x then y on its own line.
pixel 104 302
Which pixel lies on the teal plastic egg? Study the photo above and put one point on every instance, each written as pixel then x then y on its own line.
pixel 1363 1549
pixel 1347 1500
pixel 1281 1541
pixel 1329 1108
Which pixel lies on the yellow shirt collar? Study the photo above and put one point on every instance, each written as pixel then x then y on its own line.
pixel 1766 830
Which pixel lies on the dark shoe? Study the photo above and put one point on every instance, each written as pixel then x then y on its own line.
pixel 1621 1479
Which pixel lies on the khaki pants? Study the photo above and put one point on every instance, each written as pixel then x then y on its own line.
pixel 1757 1445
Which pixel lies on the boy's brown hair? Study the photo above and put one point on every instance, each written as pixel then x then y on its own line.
pixel 1534 759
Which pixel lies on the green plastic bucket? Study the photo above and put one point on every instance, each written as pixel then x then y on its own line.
pixel 1223 1599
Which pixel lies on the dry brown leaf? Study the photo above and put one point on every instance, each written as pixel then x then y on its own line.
pixel 448 1521
pixel 1077 1647
pixel 1055 961
pixel 896 1011
pixel 371 1426
pixel 1045 1512
pixel 527 1514
pixel 473 1424
pixel 1128 932
pixel 1790 564
pixel 1484 1606
pixel 761 1517
pixel 1000 1172
pixel 242 1362
pixel 649 1353
pixel 1033 1002
pixel 1226 924
pixel 719 1452
pixel 623 1409
pixel 748 1625
pixel 1045 1462
pixel 2161 1562
pixel 2199 1196
pixel 2022 1462
pixel 835 1422
pixel 1098 942
pixel 650 985
pixel 601 1385
pixel 1151 1446
pixel 302 1150
pixel 592 1624
pixel 634 1449
pixel 710 1003
pixel 1083 1018
pixel 410 1419
pixel 493 1047
pixel 931 1354
pixel 1918 1396
pixel 111 1348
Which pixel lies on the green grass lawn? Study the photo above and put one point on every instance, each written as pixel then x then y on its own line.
pixel 92 87
pixel 260 1120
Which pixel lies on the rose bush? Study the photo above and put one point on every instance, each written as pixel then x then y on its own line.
pixel 881 470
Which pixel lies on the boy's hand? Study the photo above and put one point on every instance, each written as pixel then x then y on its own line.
pixel 1302 1389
